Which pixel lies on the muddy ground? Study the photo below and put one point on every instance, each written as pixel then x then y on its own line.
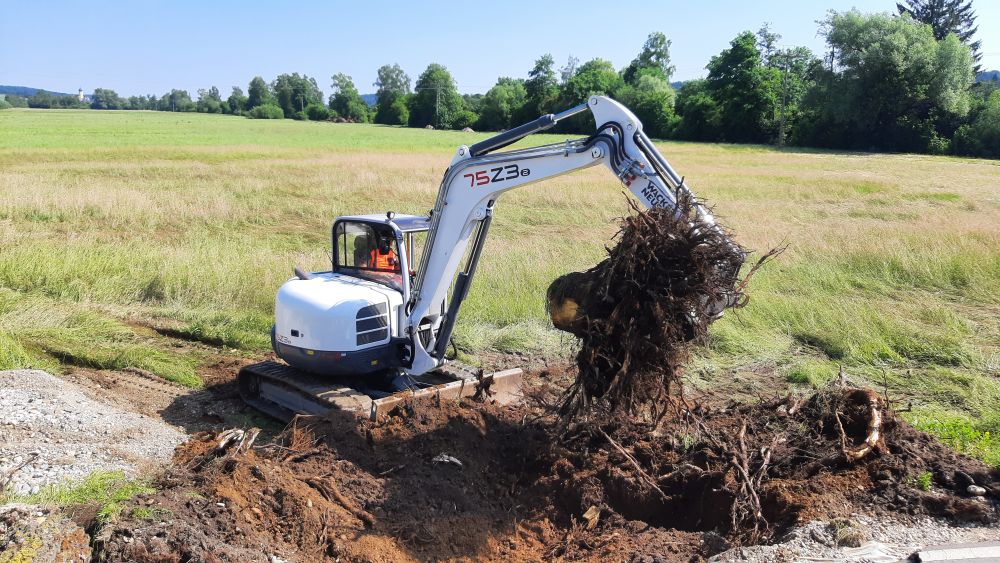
pixel 473 481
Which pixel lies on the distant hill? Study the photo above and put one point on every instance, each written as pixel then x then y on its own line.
pixel 27 91
pixel 370 99
pixel 988 76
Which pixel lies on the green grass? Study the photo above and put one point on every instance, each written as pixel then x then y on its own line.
pixel 978 437
pixel 811 372
pixel 110 490
pixel 188 223
pixel 150 513
pixel 38 331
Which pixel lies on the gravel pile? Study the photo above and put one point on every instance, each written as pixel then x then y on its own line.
pixel 63 434
pixel 861 538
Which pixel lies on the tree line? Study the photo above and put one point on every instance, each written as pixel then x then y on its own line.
pixel 902 82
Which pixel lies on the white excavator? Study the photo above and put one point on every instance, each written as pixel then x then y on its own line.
pixel 375 328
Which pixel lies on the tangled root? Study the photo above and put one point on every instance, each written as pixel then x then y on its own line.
pixel 667 278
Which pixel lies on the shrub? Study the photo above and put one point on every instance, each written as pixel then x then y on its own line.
pixel 266 111
pixel 4 104
pixel 317 112
pixel 396 113
pixel 982 136
pixel 463 119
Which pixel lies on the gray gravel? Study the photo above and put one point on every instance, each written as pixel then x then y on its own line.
pixel 884 539
pixel 68 435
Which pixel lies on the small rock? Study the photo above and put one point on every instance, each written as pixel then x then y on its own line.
pixel 975 490
pixel 714 542
pixel 445 458
pixel 819 537
pixel 963 480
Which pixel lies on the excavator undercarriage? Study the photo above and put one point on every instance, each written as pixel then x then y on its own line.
pixel 283 392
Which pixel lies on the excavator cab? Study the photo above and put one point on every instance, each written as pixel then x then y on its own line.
pixel 345 321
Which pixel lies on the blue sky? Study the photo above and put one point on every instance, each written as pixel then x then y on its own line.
pixel 151 46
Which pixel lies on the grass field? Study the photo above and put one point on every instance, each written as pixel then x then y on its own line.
pixel 115 222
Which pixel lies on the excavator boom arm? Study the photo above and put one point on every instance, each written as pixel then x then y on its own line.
pixel 477 177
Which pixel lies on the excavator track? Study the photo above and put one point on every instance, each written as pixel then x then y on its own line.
pixel 283 392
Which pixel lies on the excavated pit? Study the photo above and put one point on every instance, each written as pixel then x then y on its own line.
pixel 531 488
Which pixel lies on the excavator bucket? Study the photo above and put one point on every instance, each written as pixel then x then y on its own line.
pixel 284 392
pixel 563 302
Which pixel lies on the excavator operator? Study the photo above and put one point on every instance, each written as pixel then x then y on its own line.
pixel 383 257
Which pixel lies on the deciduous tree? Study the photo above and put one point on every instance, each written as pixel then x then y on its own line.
pixel 891 86
pixel 500 105
pixel 346 100
pixel 258 93
pixel 393 86
pixel 654 58
pixel 436 101
pixel 237 102
pixel 745 91
pixel 944 17
pixel 104 98
pixel 293 93
pixel 541 89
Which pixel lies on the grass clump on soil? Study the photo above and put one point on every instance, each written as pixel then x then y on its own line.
pixel 973 436
pixel 108 490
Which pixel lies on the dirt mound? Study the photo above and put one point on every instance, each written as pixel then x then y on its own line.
pixel 473 481
pixel 749 472
pixel 668 276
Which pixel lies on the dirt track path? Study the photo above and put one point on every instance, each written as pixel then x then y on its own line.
pixel 53 431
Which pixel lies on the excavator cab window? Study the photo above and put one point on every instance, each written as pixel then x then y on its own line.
pixel 367 250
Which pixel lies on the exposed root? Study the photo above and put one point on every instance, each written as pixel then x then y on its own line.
pixel 669 275
pixel 330 492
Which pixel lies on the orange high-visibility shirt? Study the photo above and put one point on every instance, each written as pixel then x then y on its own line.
pixel 381 261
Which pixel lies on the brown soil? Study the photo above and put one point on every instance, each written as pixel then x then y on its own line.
pixel 215 407
pixel 532 488
pixel 40 533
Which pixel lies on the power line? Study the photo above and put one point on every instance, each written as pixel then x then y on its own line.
pixel 437 102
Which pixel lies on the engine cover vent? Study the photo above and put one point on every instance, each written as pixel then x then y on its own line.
pixel 373 324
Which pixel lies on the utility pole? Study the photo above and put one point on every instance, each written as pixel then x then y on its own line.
pixel 437 103
pixel 786 53
pixel 437 107
pixel 784 100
